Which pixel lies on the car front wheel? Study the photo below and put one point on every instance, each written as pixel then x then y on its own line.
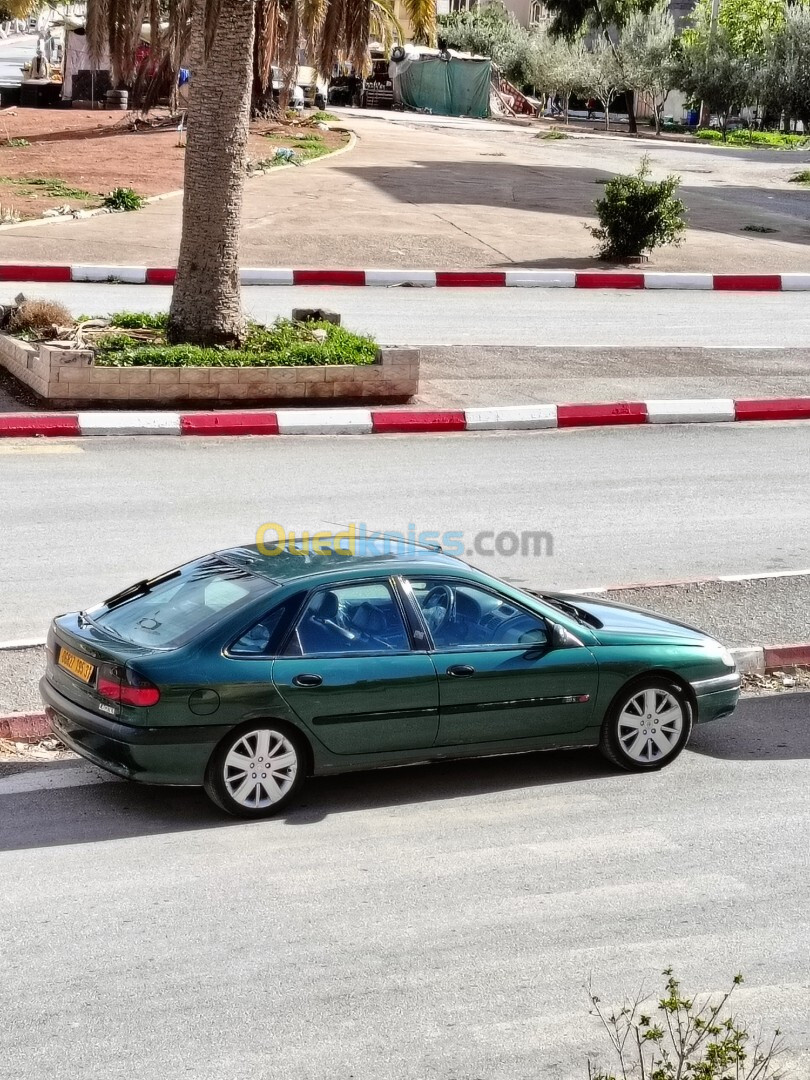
pixel 647 725
pixel 257 770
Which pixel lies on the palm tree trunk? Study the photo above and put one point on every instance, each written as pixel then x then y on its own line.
pixel 206 305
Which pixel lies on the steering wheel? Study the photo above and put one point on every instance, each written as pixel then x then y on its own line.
pixel 438 608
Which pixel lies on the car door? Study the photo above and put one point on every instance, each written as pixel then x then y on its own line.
pixel 501 678
pixel 350 673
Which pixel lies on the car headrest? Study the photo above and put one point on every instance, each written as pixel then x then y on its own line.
pixel 324 606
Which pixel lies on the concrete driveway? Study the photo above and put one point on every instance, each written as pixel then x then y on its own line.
pixel 428 922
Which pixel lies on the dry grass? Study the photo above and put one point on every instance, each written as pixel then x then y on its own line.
pixel 35 315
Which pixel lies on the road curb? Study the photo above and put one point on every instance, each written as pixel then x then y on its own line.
pixel 751 660
pixel 423 278
pixel 359 421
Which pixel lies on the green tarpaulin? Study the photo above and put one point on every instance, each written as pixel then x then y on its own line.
pixel 445 87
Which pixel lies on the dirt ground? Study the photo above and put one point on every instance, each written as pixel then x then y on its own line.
pixel 92 152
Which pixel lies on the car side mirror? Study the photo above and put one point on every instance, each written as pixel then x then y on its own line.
pixel 561 638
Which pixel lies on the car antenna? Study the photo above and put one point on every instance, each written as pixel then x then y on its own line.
pixel 391 536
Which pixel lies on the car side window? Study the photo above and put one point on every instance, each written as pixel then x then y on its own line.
pixel 461 615
pixel 261 637
pixel 349 619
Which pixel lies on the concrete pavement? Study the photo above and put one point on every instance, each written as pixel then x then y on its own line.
pixel 414 194
pixel 86 517
pixel 434 921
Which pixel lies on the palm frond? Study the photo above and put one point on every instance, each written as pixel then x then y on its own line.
pixel 96 29
pixel 422 17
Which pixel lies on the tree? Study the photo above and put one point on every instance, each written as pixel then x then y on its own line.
pixel 715 73
pixel 559 65
pixel 747 24
pixel 784 79
pixel 603 74
pixel 491 31
pixel 647 45
pixel 607 18
pixel 206 304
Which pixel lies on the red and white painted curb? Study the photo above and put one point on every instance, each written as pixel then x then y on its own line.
pixel 357 421
pixel 454 279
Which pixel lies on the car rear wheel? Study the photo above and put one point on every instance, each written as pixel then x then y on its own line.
pixel 647 725
pixel 257 770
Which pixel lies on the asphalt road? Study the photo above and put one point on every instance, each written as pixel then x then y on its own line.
pixel 82 518
pixel 550 317
pixel 430 922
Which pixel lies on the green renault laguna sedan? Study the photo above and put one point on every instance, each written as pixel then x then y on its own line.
pixel 247 672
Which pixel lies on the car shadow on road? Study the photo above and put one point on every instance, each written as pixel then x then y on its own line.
pixel 92 812
pixel 771 727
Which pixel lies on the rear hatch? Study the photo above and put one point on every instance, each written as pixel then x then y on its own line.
pixel 78 655
pixel 89 652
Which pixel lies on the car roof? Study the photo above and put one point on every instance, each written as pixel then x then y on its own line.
pixel 296 560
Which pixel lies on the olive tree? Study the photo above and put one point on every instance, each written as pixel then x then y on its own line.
pixel 647 45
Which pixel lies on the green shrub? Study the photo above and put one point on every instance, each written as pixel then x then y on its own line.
pixel 286 344
pixel 320 117
pixel 680 1038
pixel 123 198
pixel 802 177
pixel 773 140
pixel 554 134
pixel 637 214
pixel 139 320
pixel 709 135
pixel 17 144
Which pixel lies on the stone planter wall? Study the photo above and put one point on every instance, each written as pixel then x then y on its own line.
pixel 68 378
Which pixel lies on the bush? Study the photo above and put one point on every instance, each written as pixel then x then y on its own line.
pixel 773 140
pixel 286 344
pixel 123 198
pixel 321 117
pixel 35 316
pixel 677 1038
pixel 637 214
pixel 802 177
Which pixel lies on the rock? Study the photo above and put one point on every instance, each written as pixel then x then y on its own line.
pixel 303 314
pixel 319 335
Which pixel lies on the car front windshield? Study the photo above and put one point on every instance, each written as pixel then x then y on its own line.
pixel 179 607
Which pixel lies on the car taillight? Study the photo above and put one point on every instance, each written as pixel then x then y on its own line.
pixel 120 684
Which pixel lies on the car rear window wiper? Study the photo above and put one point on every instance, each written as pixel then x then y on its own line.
pixel 139 589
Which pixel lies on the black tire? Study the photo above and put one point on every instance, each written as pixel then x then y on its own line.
pixel 224 779
pixel 617 733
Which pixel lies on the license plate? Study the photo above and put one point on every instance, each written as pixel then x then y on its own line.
pixel 75 665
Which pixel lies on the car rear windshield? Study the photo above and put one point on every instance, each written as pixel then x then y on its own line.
pixel 177 607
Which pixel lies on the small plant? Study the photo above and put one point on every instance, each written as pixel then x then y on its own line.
pixel 139 320
pixel 324 117
pixel 802 177
pixel 552 135
pixel 122 199
pixel 637 214
pixel 758 229
pixel 679 1038
pixel 50 187
pixel 35 316
pixel 18 144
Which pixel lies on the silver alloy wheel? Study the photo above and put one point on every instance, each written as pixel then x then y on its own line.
pixel 650 725
pixel 260 768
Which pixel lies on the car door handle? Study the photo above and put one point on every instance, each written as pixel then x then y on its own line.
pixel 461 671
pixel 306 679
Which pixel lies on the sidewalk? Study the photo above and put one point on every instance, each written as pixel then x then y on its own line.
pixel 411 195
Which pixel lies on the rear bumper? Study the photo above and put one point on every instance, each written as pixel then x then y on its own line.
pixel 156 755
pixel 717 697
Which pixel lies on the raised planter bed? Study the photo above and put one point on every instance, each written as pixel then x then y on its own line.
pixel 68 378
